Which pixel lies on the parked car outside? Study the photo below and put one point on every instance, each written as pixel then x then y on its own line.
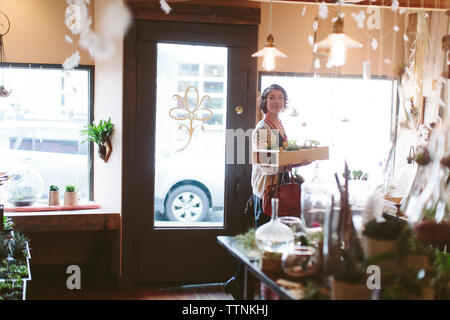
pixel 188 186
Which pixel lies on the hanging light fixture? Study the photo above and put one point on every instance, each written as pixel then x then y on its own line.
pixel 269 52
pixel 338 43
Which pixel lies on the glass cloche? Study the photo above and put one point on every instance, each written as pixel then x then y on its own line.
pixel 24 187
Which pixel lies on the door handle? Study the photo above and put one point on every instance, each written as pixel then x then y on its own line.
pixel 239 110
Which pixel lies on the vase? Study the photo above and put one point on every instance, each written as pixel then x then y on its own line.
pixel 273 239
pixel 70 199
pixel 53 198
pixel 274 236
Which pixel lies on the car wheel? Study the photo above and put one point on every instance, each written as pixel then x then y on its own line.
pixel 187 204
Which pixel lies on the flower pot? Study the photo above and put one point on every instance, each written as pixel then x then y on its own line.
pixel 417 262
pixel 70 199
pixel 349 291
pixel 53 198
pixel 373 247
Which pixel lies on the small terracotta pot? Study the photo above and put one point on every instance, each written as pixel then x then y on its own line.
pixel 70 199
pixel 349 291
pixel 53 198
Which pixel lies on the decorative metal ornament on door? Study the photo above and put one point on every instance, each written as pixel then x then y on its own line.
pixel 184 113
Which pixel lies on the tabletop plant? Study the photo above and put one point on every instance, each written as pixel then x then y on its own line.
pixel 70 196
pixel 53 196
pixel 101 135
pixel 70 188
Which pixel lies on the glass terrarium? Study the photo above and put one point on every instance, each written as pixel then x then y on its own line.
pixel 24 187
pixel 316 201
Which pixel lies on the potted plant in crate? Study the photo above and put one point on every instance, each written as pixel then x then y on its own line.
pixel 14 264
pixel 70 196
pixel 101 135
pixel 53 196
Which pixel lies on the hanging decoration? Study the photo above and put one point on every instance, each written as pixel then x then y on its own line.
pixel 269 52
pixel 113 23
pixel 184 113
pixel 5 25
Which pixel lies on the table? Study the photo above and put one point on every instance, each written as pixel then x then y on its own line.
pixel 253 273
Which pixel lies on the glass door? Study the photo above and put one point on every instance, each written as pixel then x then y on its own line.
pixel 190 92
pixel 190 135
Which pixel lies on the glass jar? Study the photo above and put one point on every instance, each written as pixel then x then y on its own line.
pixel 297 227
pixel 274 236
pixel 300 261
pixel 316 201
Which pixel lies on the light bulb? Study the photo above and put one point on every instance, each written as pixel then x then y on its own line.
pixel 337 54
pixel 269 53
pixel 269 61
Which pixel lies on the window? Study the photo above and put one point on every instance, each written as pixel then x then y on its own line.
pixel 350 115
pixel 40 123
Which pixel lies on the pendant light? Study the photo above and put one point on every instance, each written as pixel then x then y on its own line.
pixel 338 43
pixel 269 52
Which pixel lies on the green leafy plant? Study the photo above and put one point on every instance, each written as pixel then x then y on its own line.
pixel 385 230
pixel 54 188
pixel 246 241
pixel 441 275
pixel 19 245
pixel 22 193
pixel 99 134
pixel 8 224
pixel 3 247
pixel 70 188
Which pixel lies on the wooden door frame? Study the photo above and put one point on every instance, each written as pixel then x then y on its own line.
pixel 132 222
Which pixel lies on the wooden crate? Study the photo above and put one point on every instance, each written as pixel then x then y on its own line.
pixel 278 158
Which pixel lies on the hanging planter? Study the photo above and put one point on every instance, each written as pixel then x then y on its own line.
pixel 101 135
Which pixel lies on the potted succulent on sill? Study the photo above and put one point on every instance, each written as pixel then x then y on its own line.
pixel 101 135
pixel 53 196
pixel 70 196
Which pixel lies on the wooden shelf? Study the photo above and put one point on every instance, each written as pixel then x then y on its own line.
pixel 76 220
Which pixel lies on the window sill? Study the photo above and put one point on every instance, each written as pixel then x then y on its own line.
pixel 74 220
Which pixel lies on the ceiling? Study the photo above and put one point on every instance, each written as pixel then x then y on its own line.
pixel 428 4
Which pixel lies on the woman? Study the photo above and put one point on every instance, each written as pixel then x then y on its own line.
pixel 268 134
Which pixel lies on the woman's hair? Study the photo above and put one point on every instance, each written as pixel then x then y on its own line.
pixel 263 99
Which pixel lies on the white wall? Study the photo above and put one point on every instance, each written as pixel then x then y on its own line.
pixel 108 103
